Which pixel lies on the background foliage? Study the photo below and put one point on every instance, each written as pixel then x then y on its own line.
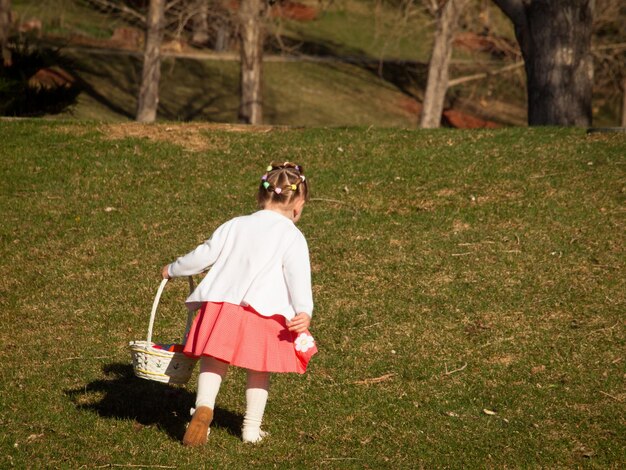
pixel 382 49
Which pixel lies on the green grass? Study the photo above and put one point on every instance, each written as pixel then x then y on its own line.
pixel 363 28
pixel 67 17
pixel 467 271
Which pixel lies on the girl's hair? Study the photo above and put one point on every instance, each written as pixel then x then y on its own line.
pixel 282 183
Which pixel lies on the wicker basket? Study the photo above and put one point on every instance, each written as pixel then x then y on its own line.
pixel 161 365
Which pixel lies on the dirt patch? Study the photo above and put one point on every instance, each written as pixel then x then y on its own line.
pixel 191 136
pixel 446 192
pixel 505 360
pixel 460 226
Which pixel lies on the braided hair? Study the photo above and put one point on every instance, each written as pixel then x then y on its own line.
pixel 282 183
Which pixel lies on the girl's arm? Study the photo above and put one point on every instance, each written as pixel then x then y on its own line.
pixel 297 270
pixel 300 323
pixel 199 259
pixel 165 272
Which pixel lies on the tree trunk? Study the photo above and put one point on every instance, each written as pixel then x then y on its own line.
pixel 221 36
pixel 5 30
pixel 251 52
pixel 148 101
pixel 555 39
pixel 624 102
pixel 200 34
pixel 437 82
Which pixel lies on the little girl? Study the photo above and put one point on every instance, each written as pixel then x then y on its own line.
pixel 255 303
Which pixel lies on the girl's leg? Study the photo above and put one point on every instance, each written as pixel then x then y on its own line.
pixel 256 397
pixel 212 371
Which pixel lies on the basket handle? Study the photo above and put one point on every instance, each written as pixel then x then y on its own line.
pixel 155 305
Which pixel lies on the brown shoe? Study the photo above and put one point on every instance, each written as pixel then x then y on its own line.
pixel 198 429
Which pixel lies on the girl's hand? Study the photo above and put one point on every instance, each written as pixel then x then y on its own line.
pixel 300 323
pixel 164 272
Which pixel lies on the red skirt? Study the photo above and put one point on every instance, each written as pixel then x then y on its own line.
pixel 241 337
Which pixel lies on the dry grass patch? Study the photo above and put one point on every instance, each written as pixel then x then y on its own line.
pixel 192 137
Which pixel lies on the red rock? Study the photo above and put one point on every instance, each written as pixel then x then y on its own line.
pixel 34 24
pixel 49 78
pixel 411 106
pixel 494 45
pixel 462 120
pixel 293 11
pixel 127 37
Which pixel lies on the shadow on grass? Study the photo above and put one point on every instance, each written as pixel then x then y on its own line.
pixel 408 76
pixel 112 79
pixel 30 86
pixel 208 90
pixel 118 72
pixel 121 395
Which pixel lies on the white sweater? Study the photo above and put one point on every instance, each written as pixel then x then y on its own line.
pixel 260 260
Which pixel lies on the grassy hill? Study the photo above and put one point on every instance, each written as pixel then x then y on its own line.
pixel 295 93
pixel 469 295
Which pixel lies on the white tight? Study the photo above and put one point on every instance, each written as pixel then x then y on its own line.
pixel 212 371
pixel 210 378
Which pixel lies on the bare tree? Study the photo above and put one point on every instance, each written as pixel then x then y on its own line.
pixel 437 82
pixel 5 30
pixel 623 120
pixel 555 40
pixel 609 57
pixel 251 53
pixel 148 101
pixel 200 35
